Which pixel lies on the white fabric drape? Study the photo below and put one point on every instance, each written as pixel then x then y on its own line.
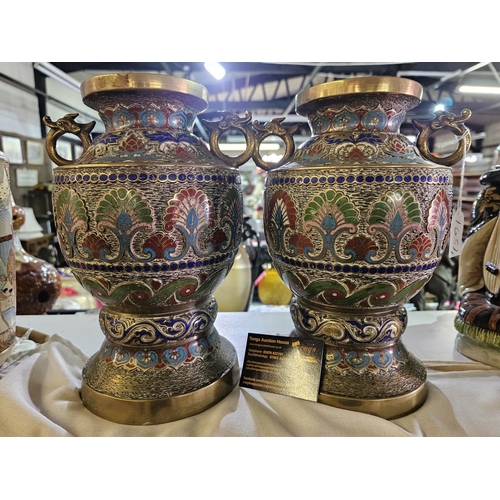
pixel 39 392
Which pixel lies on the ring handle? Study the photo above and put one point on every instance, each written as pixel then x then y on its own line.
pixel 274 127
pixel 66 125
pixel 226 122
pixel 444 121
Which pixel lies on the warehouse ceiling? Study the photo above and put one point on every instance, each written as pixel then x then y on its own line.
pixel 268 89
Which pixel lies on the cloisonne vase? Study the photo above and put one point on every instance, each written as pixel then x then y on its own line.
pixel 149 220
pixel 356 222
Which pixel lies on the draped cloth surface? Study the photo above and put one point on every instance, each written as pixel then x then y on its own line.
pixel 40 384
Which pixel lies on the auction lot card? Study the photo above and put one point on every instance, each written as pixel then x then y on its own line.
pixel 283 365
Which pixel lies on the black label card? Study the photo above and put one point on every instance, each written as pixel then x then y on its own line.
pixel 283 365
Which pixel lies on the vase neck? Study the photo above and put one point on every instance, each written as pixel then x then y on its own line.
pixel 361 113
pixel 168 111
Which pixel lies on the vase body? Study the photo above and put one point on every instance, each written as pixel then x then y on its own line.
pixel 150 223
pixel 356 222
pixel 7 266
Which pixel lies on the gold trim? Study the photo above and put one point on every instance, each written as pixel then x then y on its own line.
pixel 162 163
pixel 347 311
pixel 135 81
pixel 159 411
pixel 388 408
pixel 297 168
pixel 361 85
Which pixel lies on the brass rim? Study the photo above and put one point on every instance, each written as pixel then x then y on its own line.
pixel 148 81
pixel 362 85
pixel 388 408
pixel 159 411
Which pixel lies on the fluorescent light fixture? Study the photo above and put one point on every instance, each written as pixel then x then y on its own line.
pixel 53 72
pixel 472 89
pixel 241 146
pixel 215 69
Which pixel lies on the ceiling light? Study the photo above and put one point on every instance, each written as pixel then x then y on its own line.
pixel 215 69
pixel 472 89
pixel 55 73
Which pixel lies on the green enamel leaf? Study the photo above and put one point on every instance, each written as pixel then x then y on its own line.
pixel 332 202
pixel 384 209
pixel 118 200
pixel 68 200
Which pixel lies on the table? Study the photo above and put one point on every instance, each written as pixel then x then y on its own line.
pixel 39 395
pixel 34 245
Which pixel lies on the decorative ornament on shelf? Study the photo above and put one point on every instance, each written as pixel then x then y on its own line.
pixel 38 282
pixel 477 321
pixel 270 287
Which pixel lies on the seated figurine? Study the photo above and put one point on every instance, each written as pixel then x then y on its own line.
pixel 478 319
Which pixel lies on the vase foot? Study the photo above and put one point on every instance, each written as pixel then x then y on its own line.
pixel 121 392
pixel 388 408
pixel 382 379
pixel 386 381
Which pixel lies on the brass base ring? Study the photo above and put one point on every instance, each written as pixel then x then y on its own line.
pixel 388 408
pixel 159 411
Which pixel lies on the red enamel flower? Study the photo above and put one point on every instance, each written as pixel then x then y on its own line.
pixel 356 155
pixel 420 245
pixel 159 243
pixel 131 144
pixel 217 238
pixel 360 246
pixel 399 147
pixel 94 244
pixel 282 210
pixel 182 154
pixel 439 213
pixel 316 150
pixel 190 208
pixel 300 241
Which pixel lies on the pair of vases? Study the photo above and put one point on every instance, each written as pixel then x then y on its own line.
pixel 149 219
